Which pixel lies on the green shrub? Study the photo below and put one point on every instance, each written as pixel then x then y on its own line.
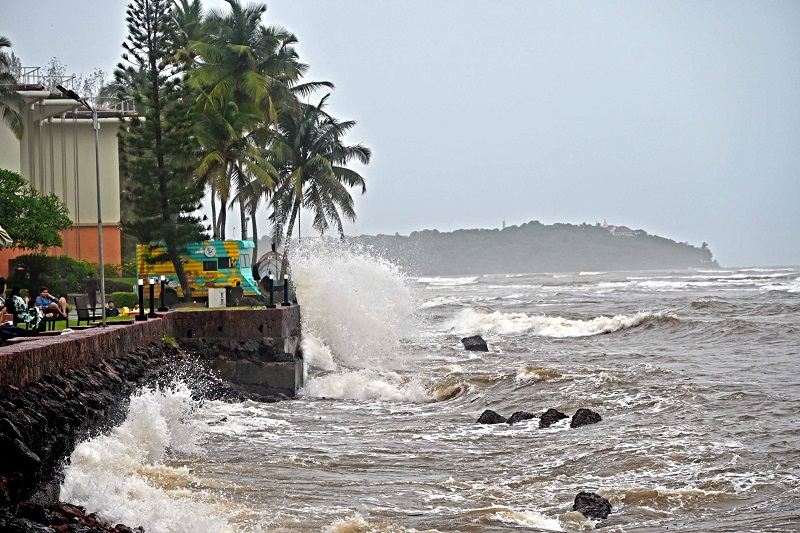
pixel 125 299
pixel 117 286
pixel 61 275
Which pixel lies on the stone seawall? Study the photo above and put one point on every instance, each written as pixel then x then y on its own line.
pixel 55 390
pixel 268 334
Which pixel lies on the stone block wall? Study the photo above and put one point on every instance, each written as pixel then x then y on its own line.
pixel 243 345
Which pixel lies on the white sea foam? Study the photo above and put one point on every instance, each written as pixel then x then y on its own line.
pixel 121 475
pixel 481 321
pixel 527 519
pixel 448 282
pixel 367 385
pixel 354 304
pixel 591 273
pixel 789 286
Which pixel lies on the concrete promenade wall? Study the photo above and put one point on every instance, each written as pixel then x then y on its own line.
pixel 31 360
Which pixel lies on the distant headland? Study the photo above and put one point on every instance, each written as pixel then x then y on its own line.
pixel 536 247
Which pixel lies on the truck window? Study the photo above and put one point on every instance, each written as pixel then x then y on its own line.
pixel 224 262
pixel 209 266
pixel 244 261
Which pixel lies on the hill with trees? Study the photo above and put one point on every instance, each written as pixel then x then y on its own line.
pixel 534 247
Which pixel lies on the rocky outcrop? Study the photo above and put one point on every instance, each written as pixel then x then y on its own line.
pixel 591 505
pixel 583 417
pixel 41 422
pixel 475 344
pixel 550 417
pixel 30 518
pixel 490 417
pixel 519 416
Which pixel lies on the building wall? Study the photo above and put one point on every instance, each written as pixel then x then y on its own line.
pixel 57 156
pixel 9 150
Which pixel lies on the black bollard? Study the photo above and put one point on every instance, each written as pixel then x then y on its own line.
pixel 141 315
pixel 271 293
pixel 285 290
pixel 152 313
pixel 163 308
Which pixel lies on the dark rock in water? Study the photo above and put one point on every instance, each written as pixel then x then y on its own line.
pixel 550 417
pixel 591 505
pixel 29 518
pixel 583 417
pixel 519 416
pixel 490 417
pixel 475 344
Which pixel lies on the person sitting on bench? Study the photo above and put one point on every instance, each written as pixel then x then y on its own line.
pixel 25 312
pixel 51 305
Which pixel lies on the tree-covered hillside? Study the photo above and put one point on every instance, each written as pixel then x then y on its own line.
pixel 534 247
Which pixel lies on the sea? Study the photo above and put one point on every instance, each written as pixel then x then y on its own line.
pixel 694 372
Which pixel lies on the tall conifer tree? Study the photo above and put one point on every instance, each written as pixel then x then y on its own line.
pixel 153 146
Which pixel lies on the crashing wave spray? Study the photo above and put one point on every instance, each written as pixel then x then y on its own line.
pixel 122 476
pixel 353 303
pixel 355 308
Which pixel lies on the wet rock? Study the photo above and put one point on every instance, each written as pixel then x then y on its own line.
pixel 550 417
pixel 519 416
pixel 583 417
pixel 592 505
pixel 490 417
pixel 475 344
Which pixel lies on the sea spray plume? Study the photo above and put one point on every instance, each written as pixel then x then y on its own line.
pixel 121 475
pixel 353 302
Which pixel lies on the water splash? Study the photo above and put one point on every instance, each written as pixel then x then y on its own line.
pixel 122 477
pixel 355 306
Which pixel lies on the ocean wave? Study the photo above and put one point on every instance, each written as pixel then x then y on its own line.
pixel 481 321
pixel 449 282
pixel 790 286
pixel 122 477
pixel 367 385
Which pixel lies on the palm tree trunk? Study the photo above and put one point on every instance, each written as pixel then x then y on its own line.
pixel 287 242
pixel 223 219
pixel 242 218
pixel 214 222
pixel 255 234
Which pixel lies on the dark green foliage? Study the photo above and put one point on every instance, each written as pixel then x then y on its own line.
pixel 154 155
pixel 534 247
pixel 117 286
pixel 33 221
pixel 62 275
pixel 125 299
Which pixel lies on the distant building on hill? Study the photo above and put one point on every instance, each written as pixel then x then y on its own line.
pixel 620 231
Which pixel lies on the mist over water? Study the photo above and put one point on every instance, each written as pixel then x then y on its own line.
pixel 692 372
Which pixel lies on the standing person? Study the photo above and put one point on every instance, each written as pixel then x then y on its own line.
pixel 49 304
pixel 91 290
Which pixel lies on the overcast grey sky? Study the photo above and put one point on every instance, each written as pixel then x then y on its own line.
pixel 680 118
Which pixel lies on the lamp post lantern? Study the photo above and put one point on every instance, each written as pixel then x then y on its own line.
pixel 69 93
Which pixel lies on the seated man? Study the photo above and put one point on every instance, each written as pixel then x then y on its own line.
pixel 111 310
pixel 51 305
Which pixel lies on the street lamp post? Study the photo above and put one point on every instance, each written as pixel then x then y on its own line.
pixel 69 93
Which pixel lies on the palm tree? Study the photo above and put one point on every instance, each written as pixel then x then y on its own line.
pixel 10 99
pixel 237 60
pixel 311 157
pixel 230 159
